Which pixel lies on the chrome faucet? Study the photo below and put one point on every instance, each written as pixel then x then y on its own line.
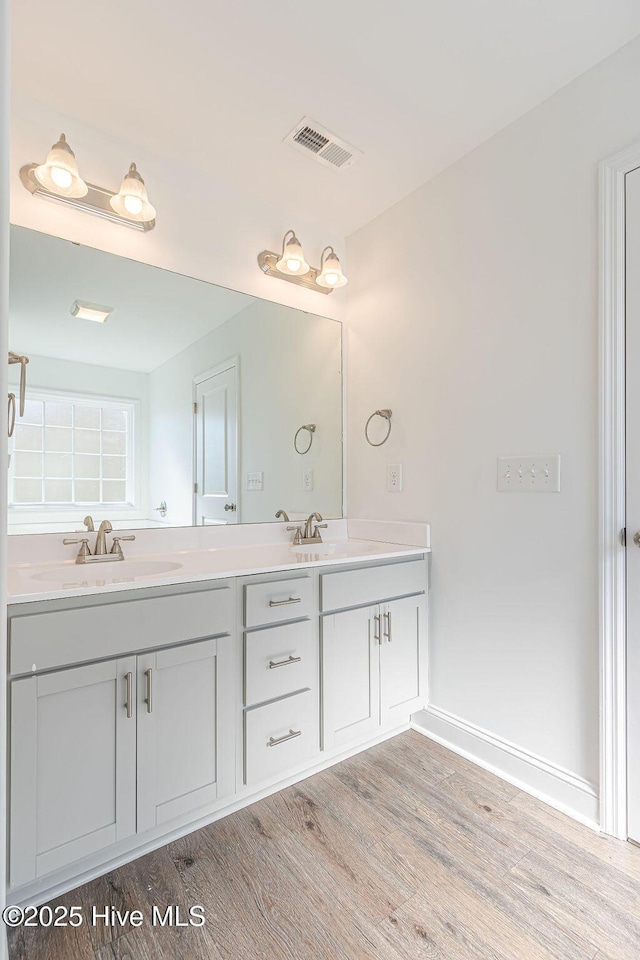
pixel 101 540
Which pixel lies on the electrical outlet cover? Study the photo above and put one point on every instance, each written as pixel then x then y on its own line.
pixel 307 479
pixel 394 477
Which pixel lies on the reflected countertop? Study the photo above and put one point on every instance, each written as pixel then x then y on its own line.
pixel 29 582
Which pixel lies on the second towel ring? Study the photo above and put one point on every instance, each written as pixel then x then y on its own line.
pixel 386 415
pixel 311 427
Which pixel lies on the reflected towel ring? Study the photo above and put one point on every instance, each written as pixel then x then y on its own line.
pixel 11 414
pixel 386 415
pixel 311 427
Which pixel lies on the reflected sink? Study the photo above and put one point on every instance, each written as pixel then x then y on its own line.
pixel 313 549
pixel 114 570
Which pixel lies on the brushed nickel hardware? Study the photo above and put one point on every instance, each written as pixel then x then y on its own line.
pixel 84 553
pixel 88 522
pixel 117 549
pixel 283 663
pixel 387 632
pixel 386 415
pixel 636 538
pixel 291 265
pixel 311 427
pixel 284 603
pixel 195 487
pixel 149 697
pixel 229 506
pixel 23 361
pixel 282 514
pixel 129 702
pixel 11 414
pixel 297 539
pixel 130 202
pixel 376 627
pixel 101 540
pixel 273 742
pixel 311 532
pixel 162 509
pixel 195 408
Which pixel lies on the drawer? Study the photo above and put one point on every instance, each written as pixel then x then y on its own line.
pixel 280 736
pixel 279 661
pixel 277 600
pixel 350 588
pixel 41 641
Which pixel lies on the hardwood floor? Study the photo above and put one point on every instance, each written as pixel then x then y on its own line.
pixel 405 852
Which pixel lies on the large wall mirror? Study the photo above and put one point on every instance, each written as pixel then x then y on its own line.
pixel 181 408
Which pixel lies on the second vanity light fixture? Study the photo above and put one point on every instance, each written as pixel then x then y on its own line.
pixel 58 178
pixel 291 265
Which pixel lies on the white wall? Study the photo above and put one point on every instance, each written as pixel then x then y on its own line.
pixel 204 229
pixel 290 374
pixel 472 314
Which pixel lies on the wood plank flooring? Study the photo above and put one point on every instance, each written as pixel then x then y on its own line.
pixel 404 852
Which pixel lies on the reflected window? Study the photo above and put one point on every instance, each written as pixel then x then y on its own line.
pixel 72 451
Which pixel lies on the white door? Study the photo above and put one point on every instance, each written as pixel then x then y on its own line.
pixel 403 660
pixel 183 751
pixel 216 446
pixel 633 498
pixel 350 675
pixel 73 765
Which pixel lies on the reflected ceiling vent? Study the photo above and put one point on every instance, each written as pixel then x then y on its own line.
pixel 320 144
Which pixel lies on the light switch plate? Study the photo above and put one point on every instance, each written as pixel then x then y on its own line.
pixel 255 481
pixel 529 474
pixel 394 477
pixel 307 479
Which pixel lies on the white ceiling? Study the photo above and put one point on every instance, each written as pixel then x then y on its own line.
pixel 415 84
pixel 156 313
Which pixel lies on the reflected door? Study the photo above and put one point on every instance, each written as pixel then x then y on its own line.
pixel 216 446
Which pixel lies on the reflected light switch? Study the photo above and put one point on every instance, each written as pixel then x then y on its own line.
pixel 254 481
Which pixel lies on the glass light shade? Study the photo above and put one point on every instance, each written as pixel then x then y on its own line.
pixel 331 275
pixel 59 173
pixel 132 200
pixel 292 261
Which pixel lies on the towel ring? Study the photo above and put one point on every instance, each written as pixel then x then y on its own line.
pixel 386 415
pixel 11 414
pixel 311 427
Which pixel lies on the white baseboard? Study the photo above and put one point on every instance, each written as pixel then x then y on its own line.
pixel 548 782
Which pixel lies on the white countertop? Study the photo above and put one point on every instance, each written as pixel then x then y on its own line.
pixel 28 582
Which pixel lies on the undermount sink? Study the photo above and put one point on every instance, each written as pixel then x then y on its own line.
pixel 309 549
pixel 115 570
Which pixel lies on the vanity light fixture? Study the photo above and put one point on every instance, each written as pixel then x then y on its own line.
pixel 58 179
pixel 59 173
pixel 292 262
pixel 132 201
pixel 331 274
pixel 291 265
pixel 90 311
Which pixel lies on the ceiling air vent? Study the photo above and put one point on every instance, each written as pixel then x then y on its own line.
pixel 320 144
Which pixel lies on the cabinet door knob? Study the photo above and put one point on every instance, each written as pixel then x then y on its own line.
pixel 230 506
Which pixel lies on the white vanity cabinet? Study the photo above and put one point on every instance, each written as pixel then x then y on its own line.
pixel 374 656
pixel 108 751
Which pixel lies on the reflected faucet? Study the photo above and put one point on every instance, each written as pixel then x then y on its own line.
pixel 101 540
pixel 282 514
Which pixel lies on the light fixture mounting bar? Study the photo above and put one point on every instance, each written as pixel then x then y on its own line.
pixel 96 201
pixel 267 262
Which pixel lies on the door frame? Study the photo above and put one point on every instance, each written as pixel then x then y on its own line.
pixel 231 363
pixel 612 492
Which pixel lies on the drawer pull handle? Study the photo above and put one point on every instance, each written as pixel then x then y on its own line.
pixel 149 698
pixel 288 736
pixel 387 632
pixel 283 663
pixel 376 628
pixel 129 703
pixel 284 603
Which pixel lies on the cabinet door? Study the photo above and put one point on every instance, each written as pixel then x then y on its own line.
pixel 185 730
pixel 403 660
pixel 73 765
pixel 350 676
